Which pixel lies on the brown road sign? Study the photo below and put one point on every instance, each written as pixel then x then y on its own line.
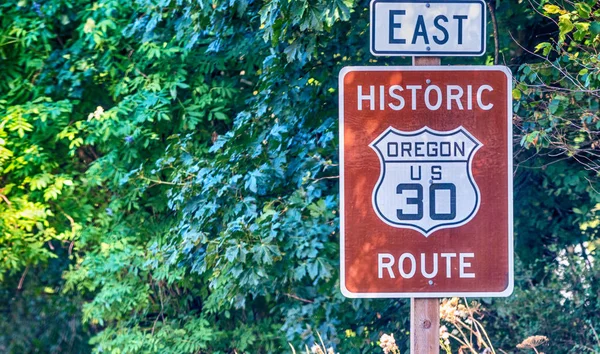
pixel 426 181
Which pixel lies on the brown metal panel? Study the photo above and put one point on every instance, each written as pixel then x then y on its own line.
pixel 486 235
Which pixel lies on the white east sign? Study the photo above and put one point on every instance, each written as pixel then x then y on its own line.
pixel 428 28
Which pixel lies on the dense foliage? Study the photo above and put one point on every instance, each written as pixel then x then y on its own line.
pixel 168 176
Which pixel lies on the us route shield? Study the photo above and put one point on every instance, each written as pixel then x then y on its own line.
pixel 425 181
pixel 425 175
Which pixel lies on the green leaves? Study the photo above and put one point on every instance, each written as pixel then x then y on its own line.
pixel 595 28
pixel 565 26
pixel 30 179
pixel 583 10
pixel 175 336
pixel 558 104
pixel 553 9
pixel 582 18
pixel 556 119
pixel 179 159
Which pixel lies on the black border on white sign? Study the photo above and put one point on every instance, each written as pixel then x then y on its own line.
pixel 428 53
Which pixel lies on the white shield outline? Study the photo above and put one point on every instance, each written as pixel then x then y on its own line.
pixel 425 129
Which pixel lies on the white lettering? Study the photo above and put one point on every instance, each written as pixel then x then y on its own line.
pixel 463 264
pixel 454 96
pixel 413 100
pixel 428 104
pixel 485 107
pixel 400 99
pixel 448 257
pixel 395 97
pixel 469 97
pixel 408 265
pixel 435 266
pixel 413 265
pixel 387 265
pixel 370 97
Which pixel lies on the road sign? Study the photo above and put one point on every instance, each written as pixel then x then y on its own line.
pixel 428 28
pixel 426 181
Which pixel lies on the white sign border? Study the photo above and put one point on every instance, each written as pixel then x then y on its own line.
pixel 397 53
pixel 510 287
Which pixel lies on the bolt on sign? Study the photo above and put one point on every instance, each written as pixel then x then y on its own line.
pixel 428 27
pixel 426 181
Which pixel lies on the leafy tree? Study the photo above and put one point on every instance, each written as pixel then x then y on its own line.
pixel 169 170
pixel 557 199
